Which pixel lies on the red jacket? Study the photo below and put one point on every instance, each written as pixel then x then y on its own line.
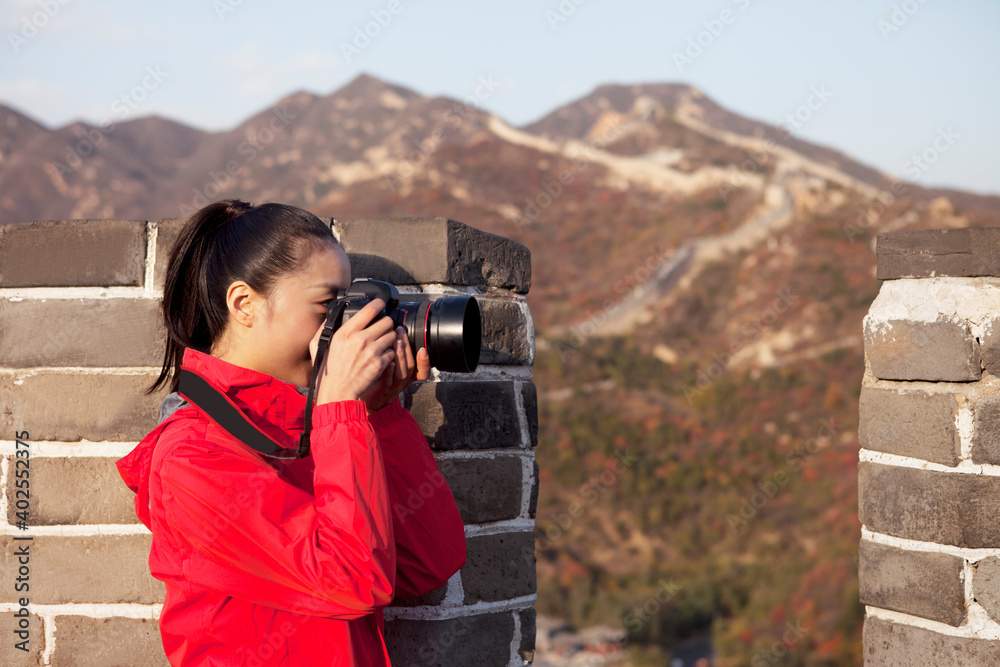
pixel 289 562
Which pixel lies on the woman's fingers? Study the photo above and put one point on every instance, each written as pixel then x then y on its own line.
pixel 423 366
pixel 406 355
pixel 387 342
pixel 389 357
pixel 400 357
pixel 362 318
pixel 374 353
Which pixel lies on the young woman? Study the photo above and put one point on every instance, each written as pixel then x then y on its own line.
pixel 271 561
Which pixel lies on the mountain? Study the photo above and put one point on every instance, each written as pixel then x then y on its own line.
pixel 698 285
pixel 300 150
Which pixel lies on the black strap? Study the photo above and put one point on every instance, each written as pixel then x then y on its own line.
pixel 222 411
pixel 333 321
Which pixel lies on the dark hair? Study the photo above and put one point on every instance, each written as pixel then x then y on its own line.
pixel 222 242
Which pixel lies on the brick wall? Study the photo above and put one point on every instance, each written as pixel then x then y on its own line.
pixel 929 465
pixel 80 338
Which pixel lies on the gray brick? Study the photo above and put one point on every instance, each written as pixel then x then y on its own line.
pixel 75 491
pixel 99 568
pixel 465 415
pixel 407 251
pixel 527 648
pixel 917 424
pixel 11 655
pixel 986 431
pixel 499 567
pixel 431 598
pixel 533 500
pixel 70 406
pixel 110 642
pixel 482 640
pixel 72 253
pixel 167 231
pixel 922 584
pixel 81 332
pixel 923 253
pixel 506 333
pixel 485 489
pixel 948 508
pixel 529 398
pixel 986 585
pixel 889 644
pixel 941 351
pixel 990 345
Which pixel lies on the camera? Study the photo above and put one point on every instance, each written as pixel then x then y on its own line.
pixel 450 327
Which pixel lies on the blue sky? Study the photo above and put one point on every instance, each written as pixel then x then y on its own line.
pixel 894 74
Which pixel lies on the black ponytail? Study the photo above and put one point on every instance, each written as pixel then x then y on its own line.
pixel 222 242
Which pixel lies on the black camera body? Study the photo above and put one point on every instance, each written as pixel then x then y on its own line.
pixel 450 327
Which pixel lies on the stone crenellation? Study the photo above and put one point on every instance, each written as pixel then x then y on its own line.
pixel 929 461
pixel 81 338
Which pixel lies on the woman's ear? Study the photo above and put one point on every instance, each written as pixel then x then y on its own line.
pixel 243 303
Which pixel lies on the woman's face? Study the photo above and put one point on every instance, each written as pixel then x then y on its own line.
pixel 295 310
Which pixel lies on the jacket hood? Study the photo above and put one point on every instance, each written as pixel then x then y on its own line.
pixel 275 406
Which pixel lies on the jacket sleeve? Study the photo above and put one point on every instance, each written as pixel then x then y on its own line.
pixel 429 533
pixel 250 533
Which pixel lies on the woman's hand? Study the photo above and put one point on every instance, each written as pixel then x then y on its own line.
pixel 398 375
pixel 358 355
pixel 370 363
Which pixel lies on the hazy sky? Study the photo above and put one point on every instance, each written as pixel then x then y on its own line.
pixel 884 79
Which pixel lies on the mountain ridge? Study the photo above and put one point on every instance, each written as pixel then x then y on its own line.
pixel 569 121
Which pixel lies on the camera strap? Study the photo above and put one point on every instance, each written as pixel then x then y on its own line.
pixel 333 316
pixel 220 409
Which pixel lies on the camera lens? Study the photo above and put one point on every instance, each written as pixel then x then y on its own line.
pixel 450 327
pixel 455 333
